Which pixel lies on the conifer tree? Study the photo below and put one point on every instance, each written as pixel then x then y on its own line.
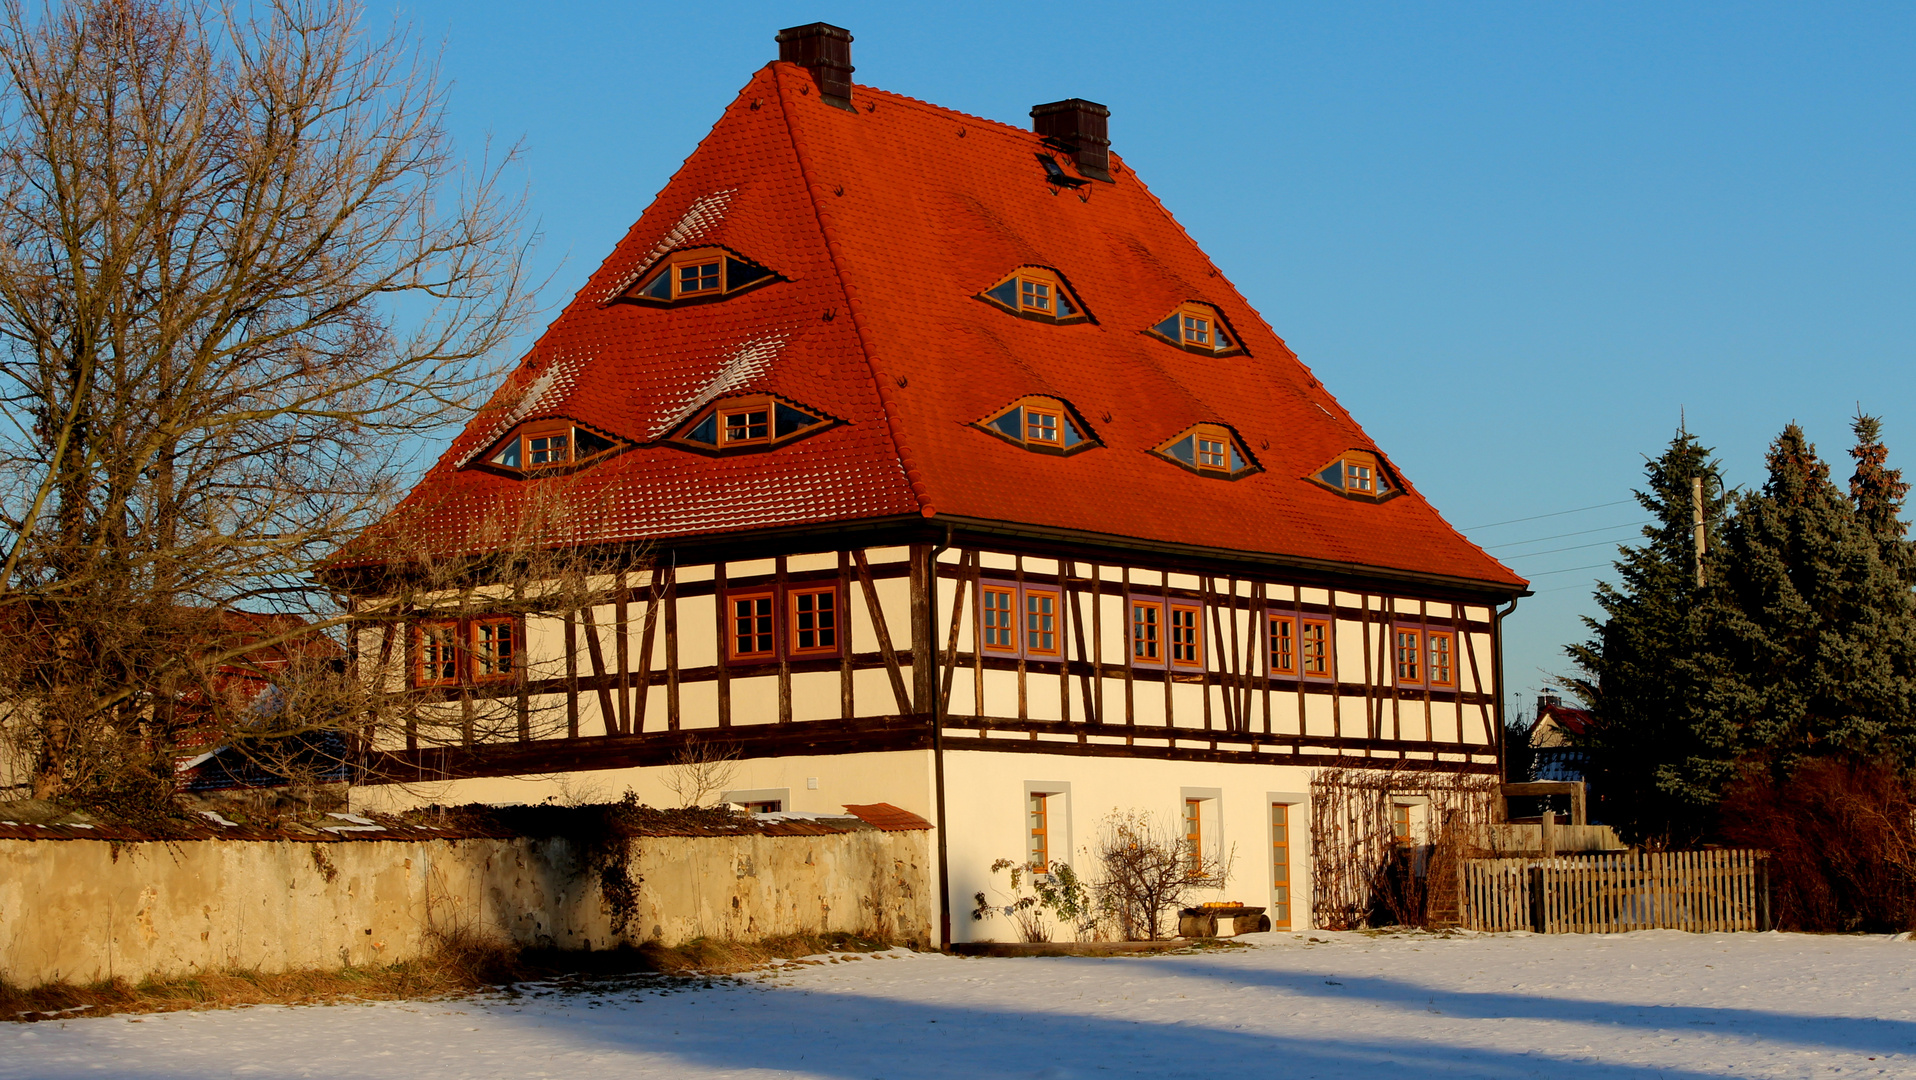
pixel 1877 492
pixel 1641 711
pixel 1806 634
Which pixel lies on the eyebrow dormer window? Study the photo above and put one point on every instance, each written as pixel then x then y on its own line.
pixel 1044 424
pixel 1359 474
pixel 1198 328
pixel 549 444
pixel 1036 293
pixel 1209 450
pixel 753 421
pixel 698 274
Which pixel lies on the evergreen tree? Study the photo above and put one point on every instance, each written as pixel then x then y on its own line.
pixel 1641 712
pixel 1877 492
pixel 1806 634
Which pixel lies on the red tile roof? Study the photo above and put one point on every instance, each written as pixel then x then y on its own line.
pixel 885 222
pixel 888 818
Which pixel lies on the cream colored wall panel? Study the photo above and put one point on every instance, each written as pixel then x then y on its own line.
pixel 1041 697
pixel 1318 715
pixel 1145 579
pixel 1114 625
pixel 1315 596
pixel 698 632
pixel 872 694
pixel 1187 705
pixel 748 568
pixel 698 704
pixel 755 700
pixel 1444 721
pixel 1439 610
pixel 1480 644
pixel 1001 694
pixel 1043 567
pixel 805 564
pixel 1184 581
pixel 894 597
pixel 693 573
pixel 1147 702
pixel 1351 716
pixel 815 695
pixel 997 560
pixel 887 555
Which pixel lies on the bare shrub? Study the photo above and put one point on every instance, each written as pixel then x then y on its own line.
pixel 1842 842
pixel 1361 875
pixel 701 771
pixel 1146 869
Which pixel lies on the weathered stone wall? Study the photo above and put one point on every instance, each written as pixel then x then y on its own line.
pixel 82 910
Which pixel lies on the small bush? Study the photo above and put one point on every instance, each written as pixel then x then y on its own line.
pixel 1842 842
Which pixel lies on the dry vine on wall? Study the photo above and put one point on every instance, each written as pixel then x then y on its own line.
pixel 1361 875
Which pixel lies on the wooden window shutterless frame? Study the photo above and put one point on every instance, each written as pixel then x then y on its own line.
pixel 436 653
pixel 495 651
pixel 1199 328
pixel 812 619
pixel 1440 647
pixel 1043 632
pixel 1400 824
pixel 1185 626
pixel 1036 293
pixel 1147 631
pixel 1410 655
pixel 697 274
pixel 1038 822
pixel 748 420
pixel 999 606
pixel 1314 648
pixel 1282 640
pixel 1043 426
pixel 1194 836
pixel 1280 866
pixel 751 631
pixel 1210 450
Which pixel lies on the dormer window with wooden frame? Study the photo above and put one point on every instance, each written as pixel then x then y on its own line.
pixel 1209 450
pixel 1198 328
pixel 706 273
pixel 1044 424
pixel 1358 474
pixel 1033 292
pixel 549 445
pixel 749 422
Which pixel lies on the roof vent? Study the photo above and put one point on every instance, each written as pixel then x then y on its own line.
pixel 1079 128
pixel 827 51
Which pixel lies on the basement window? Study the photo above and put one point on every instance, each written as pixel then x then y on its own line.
pixel 1358 474
pixel 544 445
pixel 1209 450
pixel 1197 328
pixel 1034 292
pixel 1044 424
pixel 698 274
pixel 749 422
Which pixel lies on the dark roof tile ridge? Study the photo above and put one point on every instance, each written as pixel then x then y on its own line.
pixel 945 110
pixel 856 309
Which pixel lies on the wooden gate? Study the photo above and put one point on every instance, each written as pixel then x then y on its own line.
pixel 1614 892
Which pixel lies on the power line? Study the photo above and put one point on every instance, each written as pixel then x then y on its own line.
pixel 1566 570
pixel 1572 547
pixel 1559 536
pixel 1540 517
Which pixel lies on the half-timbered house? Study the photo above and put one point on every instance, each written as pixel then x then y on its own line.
pixel 928 461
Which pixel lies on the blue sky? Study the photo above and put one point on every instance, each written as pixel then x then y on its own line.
pixel 1518 241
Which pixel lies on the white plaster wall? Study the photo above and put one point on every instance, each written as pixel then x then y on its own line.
pixel 985 805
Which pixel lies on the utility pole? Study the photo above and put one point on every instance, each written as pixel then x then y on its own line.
pixel 1696 523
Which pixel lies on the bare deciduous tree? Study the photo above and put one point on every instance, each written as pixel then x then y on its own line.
pixel 242 274
pixel 1146 870
pixel 701 771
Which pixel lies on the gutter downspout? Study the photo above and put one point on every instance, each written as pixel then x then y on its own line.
pixel 1497 663
pixel 938 746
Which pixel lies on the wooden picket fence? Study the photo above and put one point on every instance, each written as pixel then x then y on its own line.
pixel 1617 891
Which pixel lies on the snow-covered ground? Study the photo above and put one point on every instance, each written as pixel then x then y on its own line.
pixel 1653 1004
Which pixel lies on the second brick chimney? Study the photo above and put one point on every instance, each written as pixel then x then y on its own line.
pixel 827 51
pixel 1079 128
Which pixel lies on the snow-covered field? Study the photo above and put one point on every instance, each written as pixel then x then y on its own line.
pixel 1652 1004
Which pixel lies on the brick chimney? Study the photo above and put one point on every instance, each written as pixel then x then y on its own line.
pixel 827 51
pixel 1079 128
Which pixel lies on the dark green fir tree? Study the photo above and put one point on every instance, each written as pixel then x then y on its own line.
pixel 1877 492
pixel 1641 711
pixel 1806 635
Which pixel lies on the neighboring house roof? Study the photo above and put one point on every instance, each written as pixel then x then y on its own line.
pixel 1554 722
pixel 888 818
pixel 885 223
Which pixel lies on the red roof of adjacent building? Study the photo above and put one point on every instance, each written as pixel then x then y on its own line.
pixel 885 223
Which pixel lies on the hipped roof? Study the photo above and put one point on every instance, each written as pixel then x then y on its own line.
pixel 885 222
